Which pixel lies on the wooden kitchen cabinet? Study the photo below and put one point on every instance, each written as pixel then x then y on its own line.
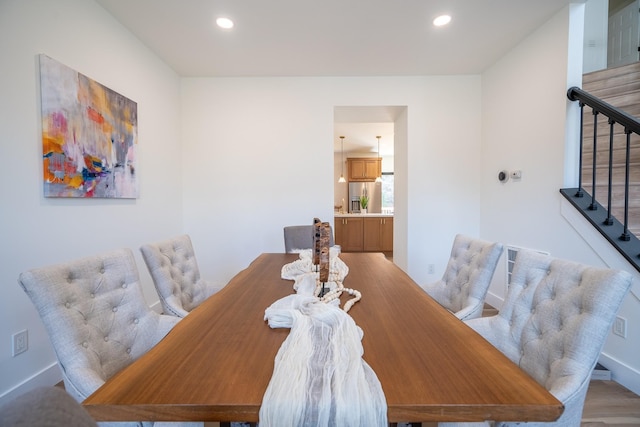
pixel 364 234
pixel 348 233
pixel 364 168
pixel 378 234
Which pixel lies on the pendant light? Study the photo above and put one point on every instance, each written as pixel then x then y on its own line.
pixel 379 178
pixel 341 179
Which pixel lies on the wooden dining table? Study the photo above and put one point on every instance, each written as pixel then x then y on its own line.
pixel 216 363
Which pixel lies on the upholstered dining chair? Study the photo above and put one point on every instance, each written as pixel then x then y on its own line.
pixel 96 317
pixel 299 237
pixel 45 407
pixel 174 269
pixel 553 323
pixel 464 285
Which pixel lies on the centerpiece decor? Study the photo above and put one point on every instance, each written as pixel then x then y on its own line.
pixel 320 377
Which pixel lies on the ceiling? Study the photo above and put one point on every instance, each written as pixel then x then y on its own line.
pixel 361 125
pixel 331 37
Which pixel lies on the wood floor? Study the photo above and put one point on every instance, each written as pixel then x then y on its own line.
pixel 610 404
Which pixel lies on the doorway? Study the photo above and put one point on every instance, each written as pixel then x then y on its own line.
pixel 360 125
pixel 624 35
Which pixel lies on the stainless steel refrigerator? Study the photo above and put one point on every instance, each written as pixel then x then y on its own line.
pixel 371 189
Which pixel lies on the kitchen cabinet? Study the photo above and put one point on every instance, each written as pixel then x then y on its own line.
pixel 364 168
pixel 378 234
pixel 364 233
pixel 348 233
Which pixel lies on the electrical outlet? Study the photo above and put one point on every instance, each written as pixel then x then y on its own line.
pixel 20 342
pixel 620 326
pixel 431 269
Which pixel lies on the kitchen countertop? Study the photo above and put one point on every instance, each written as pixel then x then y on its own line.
pixel 357 215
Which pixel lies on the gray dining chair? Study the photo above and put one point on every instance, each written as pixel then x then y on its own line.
pixel 97 319
pixel 174 269
pixel 300 237
pixel 464 285
pixel 45 407
pixel 554 321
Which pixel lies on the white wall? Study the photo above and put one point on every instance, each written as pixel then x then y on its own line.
pixel 523 112
pixel 36 231
pixel 258 155
pixel 596 23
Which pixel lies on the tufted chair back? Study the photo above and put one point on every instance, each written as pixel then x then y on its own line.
pixel 298 237
pixel 554 321
pixel 174 270
pixel 95 314
pixel 466 280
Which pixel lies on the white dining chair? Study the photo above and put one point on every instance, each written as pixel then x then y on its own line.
pixel 97 319
pixel 464 285
pixel 554 321
pixel 174 269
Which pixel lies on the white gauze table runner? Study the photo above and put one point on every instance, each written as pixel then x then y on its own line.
pixel 319 377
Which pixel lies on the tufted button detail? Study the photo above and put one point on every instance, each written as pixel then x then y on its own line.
pixel 106 339
pixel 128 351
pixel 114 309
pixel 102 269
pixel 85 344
pixel 124 286
pixel 67 304
pixel 136 321
pixel 93 295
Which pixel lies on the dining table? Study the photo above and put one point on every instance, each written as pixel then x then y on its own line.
pixel 216 363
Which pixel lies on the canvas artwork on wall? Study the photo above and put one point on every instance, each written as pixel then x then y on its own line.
pixel 89 136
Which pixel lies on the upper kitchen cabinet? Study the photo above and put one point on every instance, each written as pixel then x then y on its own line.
pixel 364 168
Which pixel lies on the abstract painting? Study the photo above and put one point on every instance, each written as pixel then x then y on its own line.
pixel 89 136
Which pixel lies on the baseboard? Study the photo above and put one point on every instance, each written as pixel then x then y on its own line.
pixel 157 307
pixel 47 377
pixel 600 373
pixel 621 373
pixel 493 300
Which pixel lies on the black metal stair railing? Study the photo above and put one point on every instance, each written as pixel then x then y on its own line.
pixel 615 231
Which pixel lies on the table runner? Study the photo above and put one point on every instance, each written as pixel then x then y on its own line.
pixel 319 377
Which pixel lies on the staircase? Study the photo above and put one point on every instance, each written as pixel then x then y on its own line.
pixel 619 87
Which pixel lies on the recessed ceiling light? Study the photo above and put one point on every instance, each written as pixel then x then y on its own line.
pixel 441 20
pixel 225 23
